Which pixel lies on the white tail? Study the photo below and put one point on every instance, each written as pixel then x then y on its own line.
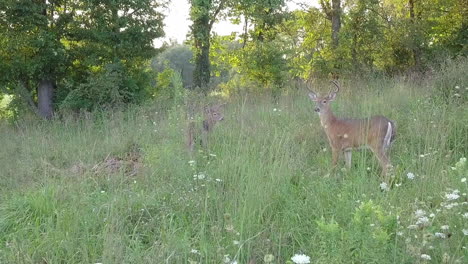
pixel 376 132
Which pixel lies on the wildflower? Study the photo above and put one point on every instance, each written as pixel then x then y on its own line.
pixel 212 155
pixel 461 163
pixel 103 191
pixel 274 109
pixel 218 180
pixel 199 176
pixel 463 180
pixel 419 213
pixel 457 87
pixel 465 215
pixel 425 257
pixel 439 235
pixel 431 215
pixel 450 206
pixel 194 251
pixel 465 232
pixel 399 233
pixel 236 242
pixel 384 187
pixel 423 221
pixel 368 168
pixel 444 227
pixel 452 196
pixel 410 175
pixel 191 162
pixel 412 227
pixel 422 156
pixel 301 259
pixel 268 258
pixel 226 258
pixel 456 95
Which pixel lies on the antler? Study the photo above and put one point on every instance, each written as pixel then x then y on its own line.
pixel 337 86
pixel 308 84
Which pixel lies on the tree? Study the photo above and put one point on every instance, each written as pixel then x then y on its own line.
pixel 333 13
pixel 203 14
pixel 49 48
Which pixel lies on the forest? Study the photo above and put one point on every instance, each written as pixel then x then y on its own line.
pixel 114 149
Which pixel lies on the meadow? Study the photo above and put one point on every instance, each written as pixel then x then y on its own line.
pixel 120 187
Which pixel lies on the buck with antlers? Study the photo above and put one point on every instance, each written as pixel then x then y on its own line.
pixel 376 132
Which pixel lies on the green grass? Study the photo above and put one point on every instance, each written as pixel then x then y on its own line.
pixel 267 187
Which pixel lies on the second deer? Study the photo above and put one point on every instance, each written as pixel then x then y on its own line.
pixel 344 134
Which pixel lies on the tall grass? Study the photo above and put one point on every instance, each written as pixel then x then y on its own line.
pixel 121 188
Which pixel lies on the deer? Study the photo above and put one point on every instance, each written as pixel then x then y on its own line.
pixel 211 116
pixel 344 134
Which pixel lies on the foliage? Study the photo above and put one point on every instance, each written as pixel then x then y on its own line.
pixel 69 42
pixel 177 57
pixel 266 188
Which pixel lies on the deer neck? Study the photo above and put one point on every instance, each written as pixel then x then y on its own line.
pixel 327 119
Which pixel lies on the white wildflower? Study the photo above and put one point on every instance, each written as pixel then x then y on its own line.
pixel 457 87
pixel 463 180
pixel 399 233
pixel 103 191
pixel 425 257
pixel 212 155
pixel 191 162
pixel 410 175
pixel 419 213
pixel 450 206
pixel 445 227
pixel 274 109
pixel 465 215
pixel 218 180
pixel 465 232
pixel 432 215
pixel 440 235
pixel 384 186
pixel 301 259
pixel 194 251
pixel 236 242
pixel 268 258
pixel 452 196
pixel 461 163
pixel 412 227
pixel 226 258
pixel 423 221
pixel 199 176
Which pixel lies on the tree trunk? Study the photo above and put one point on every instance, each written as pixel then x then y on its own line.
pixel 336 22
pixel 415 46
pixel 201 73
pixel 45 93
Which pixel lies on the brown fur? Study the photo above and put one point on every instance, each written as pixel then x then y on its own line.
pixel 346 134
pixel 211 116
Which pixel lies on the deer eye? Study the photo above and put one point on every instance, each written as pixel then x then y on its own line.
pixel 324 101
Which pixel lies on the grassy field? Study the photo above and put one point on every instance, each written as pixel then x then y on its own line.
pixel 121 188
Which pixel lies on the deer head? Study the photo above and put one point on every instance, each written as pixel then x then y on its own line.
pixel 214 113
pixel 322 103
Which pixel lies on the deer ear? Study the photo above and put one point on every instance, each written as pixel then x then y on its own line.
pixel 331 96
pixel 313 96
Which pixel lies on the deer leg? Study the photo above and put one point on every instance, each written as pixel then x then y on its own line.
pixel 383 160
pixel 335 156
pixel 347 155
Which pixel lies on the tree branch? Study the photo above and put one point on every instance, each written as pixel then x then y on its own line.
pixel 26 96
pixel 215 14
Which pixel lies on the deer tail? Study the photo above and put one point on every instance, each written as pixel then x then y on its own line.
pixel 390 135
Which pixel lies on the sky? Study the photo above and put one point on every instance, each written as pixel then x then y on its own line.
pixel 177 20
